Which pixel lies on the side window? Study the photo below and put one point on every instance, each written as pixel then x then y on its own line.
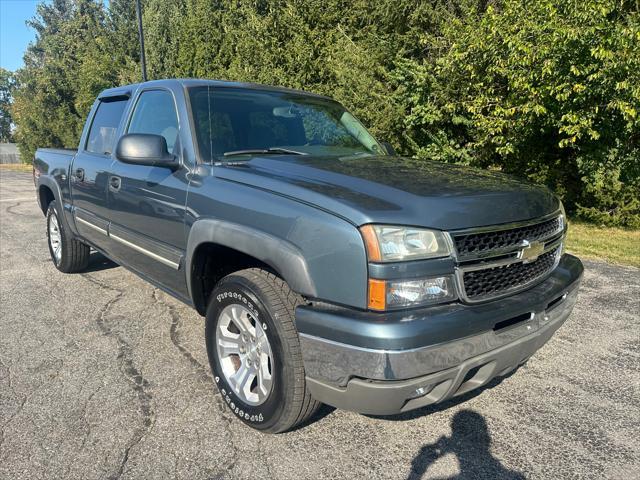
pixel 102 134
pixel 155 113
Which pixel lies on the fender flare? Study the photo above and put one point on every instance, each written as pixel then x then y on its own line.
pixel 281 255
pixel 67 215
pixel 44 181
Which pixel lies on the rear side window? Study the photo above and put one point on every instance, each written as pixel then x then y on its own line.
pixel 155 113
pixel 102 134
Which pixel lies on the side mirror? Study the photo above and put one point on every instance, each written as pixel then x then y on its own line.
pixel 145 149
pixel 389 148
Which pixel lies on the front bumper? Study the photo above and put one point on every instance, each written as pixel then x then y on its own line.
pixel 461 347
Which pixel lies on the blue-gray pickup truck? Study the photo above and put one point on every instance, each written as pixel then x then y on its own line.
pixel 328 269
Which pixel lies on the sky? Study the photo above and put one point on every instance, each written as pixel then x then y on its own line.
pixel 14 34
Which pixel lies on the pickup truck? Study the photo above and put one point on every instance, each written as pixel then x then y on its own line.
pixel 328 269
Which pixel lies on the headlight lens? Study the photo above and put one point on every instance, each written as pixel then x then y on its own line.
pixel 387 243
pixel 564 226
pixel 563 216
pixel 393 294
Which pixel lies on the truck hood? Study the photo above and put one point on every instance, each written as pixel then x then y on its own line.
pixel 396 190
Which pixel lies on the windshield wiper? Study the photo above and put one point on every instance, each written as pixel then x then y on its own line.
pixel 262 151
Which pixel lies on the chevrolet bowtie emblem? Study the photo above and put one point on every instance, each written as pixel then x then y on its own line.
pixel 530 251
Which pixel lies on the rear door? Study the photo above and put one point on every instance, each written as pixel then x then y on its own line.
pixel 91 166
pixel 147 203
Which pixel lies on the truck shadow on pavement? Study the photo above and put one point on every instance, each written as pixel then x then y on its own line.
pixel 98 262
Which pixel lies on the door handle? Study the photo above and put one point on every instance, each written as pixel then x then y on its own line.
pixel 79 174
pixel 114 183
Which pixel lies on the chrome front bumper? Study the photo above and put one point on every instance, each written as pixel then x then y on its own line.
pixel 380 381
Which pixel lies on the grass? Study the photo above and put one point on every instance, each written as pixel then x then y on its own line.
pixel 16 167
pixel 613 245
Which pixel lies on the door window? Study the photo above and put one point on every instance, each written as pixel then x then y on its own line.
pixel 102 134
pixel 155 113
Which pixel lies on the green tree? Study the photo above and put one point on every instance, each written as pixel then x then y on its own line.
pixel 6 122
pixel 69 62
pixel 122 33
pixel 548 90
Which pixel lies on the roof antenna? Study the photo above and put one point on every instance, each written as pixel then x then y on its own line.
pixel 141 35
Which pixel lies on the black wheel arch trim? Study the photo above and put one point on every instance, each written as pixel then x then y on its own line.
pixel 282 256
pixel 51 184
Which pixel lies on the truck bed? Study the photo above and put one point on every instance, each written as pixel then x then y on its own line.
pixel 57 151
pixel 55 163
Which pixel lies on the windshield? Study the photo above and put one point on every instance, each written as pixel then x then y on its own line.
pixel 243 122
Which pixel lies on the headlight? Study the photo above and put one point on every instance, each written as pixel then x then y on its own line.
pixel 564 227
pixel 386 243
pixel 563 217
pixel 393 294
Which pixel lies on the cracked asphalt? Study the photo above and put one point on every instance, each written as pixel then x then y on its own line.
pixel 104 376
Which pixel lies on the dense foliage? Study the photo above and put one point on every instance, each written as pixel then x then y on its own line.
pixel 544 89
pixel 6 87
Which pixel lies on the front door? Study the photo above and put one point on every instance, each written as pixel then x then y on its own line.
pixel 90 170
pixel 147 203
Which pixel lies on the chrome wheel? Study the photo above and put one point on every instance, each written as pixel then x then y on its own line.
pixel 244 354
pixel 55 239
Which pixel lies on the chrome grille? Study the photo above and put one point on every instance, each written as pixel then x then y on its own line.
pixel 498 261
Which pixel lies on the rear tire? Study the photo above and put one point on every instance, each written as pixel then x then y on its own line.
pixel 265 305
pixel 68 254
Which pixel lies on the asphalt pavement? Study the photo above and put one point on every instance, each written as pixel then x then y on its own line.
pixel 104 376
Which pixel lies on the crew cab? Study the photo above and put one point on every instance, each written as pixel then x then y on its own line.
pixel 328 269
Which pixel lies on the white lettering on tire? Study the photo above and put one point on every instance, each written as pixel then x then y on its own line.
pixel 240 297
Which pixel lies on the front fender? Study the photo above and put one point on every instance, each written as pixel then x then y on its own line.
pixel 321 256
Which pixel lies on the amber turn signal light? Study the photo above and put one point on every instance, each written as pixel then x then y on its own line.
pixel 377 294
pixel 371 243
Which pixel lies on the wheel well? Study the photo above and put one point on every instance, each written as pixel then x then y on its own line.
pixel 46 197
pixel 211 262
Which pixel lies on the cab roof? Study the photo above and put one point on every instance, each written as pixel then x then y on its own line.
pixel 128 90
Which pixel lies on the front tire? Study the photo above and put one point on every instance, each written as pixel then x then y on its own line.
pixel 254 351
pixel 68 254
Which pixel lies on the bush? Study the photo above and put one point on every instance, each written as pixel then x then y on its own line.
pixel 548 90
